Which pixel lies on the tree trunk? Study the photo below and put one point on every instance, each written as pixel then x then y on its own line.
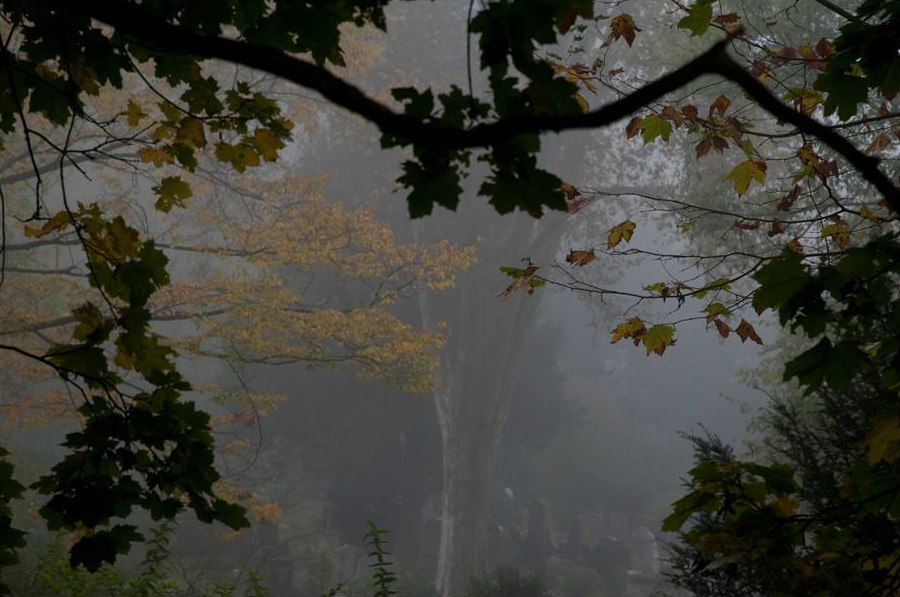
pixel 476 376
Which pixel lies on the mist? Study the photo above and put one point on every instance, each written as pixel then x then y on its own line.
pixel 382 388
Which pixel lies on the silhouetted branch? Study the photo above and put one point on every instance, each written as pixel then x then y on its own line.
pixel 142 25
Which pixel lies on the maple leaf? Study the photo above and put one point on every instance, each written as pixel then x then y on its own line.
pixel 671 114
pixel 703 147
pixel 60 221
pixel 719 143
pixel 576 257
pixel 631 328
pixel 658 337
pixel 776 228
pixel 576 205
pixel 690 112
pixel 794 245
pixel 569 191
pixel 825 48
pixel 654 126
pixel 522 279
pixel 623 26
pixel 158 156
pixel 720 105
pixel 191 132
pixel 713 310
pixel 134 114
pixel 761 71
pixel 698 18
pixel 619 233
pixel 884 441
pixel 633 127
pixel 788 200
pixel 838 232
pixel 746 171
pixel 722 327
pixel 171 191
pixel 747 225
pixel 868 214
pixel 731 17
pixel 745 331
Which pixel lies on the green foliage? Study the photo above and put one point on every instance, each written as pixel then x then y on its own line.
pixel 383 577
pixel 508 582
pixel 48 572
pixel 805 522
pixel 11 538
pixel 698 17
pixel 866 58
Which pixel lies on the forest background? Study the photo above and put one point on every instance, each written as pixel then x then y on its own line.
pixel 244 314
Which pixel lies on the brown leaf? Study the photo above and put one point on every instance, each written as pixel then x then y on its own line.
pixel 570 191
pixel 702 148
pixel 761 71
pixel 719 143
pixel 623 26
pixel 690 112
pixel 825 48
pixel 720 105
pixel 745 330
pixel 722 327
pixel 745 225
pixel 576 205
pixel 633 127
pixel 731 17
pixel 776 228
pixel 576 257
pixel 670 113
pixel 786 53
pixel 788 200
pixel 620 232
pixel 795 245
pixel 827 168
pixel 616 71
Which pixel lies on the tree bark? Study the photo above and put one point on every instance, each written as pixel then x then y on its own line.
pixel 477 374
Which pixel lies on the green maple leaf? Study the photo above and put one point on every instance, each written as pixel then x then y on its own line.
pixel 698 18
pixel 654 126
pixel 658 338
pixel 171 191
pixel 745 172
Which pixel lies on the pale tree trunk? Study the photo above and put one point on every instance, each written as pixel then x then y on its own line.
pixel 477 373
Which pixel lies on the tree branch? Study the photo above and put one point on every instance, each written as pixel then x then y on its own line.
pixel 835 8
pixel 147 28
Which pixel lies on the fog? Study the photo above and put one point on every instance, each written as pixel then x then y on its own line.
pixel 486 433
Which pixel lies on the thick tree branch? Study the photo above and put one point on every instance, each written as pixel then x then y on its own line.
pixel 134 21
pixel 835 8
